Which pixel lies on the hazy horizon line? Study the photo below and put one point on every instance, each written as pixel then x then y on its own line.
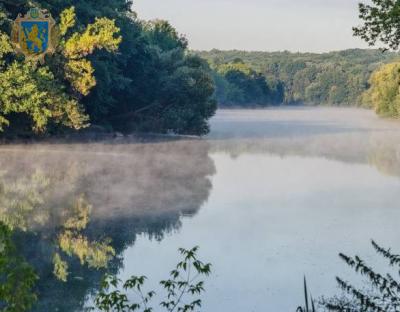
pixel 290 51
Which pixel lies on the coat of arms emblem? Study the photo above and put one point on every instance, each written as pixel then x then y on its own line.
pixel 33 34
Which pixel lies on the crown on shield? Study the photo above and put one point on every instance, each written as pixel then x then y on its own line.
pixel 33 35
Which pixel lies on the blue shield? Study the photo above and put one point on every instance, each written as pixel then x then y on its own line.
pixel 34 36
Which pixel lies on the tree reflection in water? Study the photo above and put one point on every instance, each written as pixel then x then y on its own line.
pixel 378 149
pixel 74 208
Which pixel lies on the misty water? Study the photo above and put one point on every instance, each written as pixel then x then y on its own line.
pixel 269 196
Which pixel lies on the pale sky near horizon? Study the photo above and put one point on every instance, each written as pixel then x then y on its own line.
pixel 261 25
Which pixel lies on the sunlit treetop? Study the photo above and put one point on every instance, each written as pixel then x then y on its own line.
pixel 162 34
pixel 236 67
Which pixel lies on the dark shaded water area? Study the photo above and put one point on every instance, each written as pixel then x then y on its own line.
pixel 269 195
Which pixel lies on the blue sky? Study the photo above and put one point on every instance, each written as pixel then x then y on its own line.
pixel 263 25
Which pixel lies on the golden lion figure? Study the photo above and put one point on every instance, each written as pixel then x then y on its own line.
pixel 33 36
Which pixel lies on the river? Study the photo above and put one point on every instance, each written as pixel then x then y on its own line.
pixel 269 196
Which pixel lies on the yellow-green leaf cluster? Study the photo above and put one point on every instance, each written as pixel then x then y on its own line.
pixel 80 218
pixel 60 268
pixel 100 35
pixel 95 254
pixel 5 46
pixel 35 92
pixel 51 94
pixel 20 199
pixel 80 75
pixel 67 21
pixel 238 67
pixel 384 93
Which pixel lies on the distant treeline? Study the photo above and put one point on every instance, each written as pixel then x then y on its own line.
pixel 272 78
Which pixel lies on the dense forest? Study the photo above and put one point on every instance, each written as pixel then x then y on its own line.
pixel 110 70
pixel 335 78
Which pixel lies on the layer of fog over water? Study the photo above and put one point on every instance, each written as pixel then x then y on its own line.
pixel 269 195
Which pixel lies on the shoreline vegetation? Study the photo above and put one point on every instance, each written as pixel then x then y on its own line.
pixel 94 136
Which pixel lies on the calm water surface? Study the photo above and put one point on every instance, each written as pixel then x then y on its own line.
pixel 269 196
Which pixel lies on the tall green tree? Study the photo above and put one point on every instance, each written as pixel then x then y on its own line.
pixel 35 96
pixel 380 23
pixel 152 83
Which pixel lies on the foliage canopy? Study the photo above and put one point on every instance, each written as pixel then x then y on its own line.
pixel 50 95
pixel 111 70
